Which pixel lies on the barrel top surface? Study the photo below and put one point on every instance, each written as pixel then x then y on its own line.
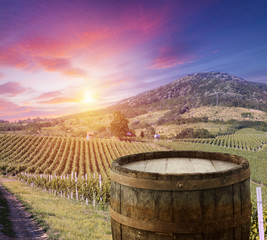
pixel 179 165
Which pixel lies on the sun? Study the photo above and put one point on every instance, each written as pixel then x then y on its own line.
pixel 88 98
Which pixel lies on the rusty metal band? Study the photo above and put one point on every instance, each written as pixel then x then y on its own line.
pixel 171 185
pixel 183 228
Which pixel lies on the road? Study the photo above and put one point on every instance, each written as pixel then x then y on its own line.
pixel 23 225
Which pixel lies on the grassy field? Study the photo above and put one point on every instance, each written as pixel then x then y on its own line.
pixel 171 130
pixel 149 118
pixel 226 113
pixel 212 112
pixel 60 217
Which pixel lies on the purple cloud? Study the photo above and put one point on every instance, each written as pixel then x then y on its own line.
pixel 11 89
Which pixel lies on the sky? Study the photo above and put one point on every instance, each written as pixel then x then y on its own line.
pixel 60 57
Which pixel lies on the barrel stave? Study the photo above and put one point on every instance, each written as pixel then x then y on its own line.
pixel 147 205
pixel 138 234
pixel 186 207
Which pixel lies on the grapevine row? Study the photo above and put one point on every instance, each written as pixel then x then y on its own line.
pixel 61 156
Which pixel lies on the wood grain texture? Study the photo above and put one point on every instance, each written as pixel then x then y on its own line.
pixel 179 165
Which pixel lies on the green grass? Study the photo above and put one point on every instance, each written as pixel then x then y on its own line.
pixel 62 218
pixel 149 118
pixel 4 221
pixel 226 113
pixel 171 130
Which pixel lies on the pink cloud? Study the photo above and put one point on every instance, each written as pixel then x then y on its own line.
pixel 2 75
pixel 87 38
pixel 12 112
pixel 58 100
pixel 10 57
pixel 11 89
pixel 62 65
pixel 169 57
pixel 31 58
pixel 170 61
pixel 6 105
pixel 144 21
pixel 8 110
pixel 70 94
pixel 116 83
pixel 49 95
pixel 54 49
pixel 44 47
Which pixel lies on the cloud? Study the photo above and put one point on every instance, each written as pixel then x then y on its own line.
pixel 57 97
pixel 53 59
pixel 10 57
pixel 170 61
pixel 116 83
pixel 172 56
pixel 71 94
pixel 6 105
pixel 12 89
pixel 9 110
pixel 1 75
pixel 37 46
pixel 58 100
pixel 113 80
pixel 78 33
pixel 49 95
pixel 62 65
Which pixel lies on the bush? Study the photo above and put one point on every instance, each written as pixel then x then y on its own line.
pixel 198 133
pixel 202 133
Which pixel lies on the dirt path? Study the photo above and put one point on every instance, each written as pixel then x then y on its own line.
pixel 23 224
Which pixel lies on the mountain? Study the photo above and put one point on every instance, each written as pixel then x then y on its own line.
pixel 199 89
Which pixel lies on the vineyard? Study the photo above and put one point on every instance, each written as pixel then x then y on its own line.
pixel 78 168
pixel 69 167
pixel 91 189
pixel 250 140
pixel 62 156
pixel 247 143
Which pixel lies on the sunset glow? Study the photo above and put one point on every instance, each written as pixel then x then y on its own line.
pixel 88 98
pixel 51 52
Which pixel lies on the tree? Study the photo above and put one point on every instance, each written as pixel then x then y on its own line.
pixel 186 133
pixel 119 125
pixel 191 133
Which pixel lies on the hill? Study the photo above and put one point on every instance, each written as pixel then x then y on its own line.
pixel 218 102
pixel 199 89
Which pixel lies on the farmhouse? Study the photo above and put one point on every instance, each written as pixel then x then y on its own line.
pixel 129 136
pixel 90 135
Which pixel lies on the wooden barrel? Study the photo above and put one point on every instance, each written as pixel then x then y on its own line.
pixel 180 195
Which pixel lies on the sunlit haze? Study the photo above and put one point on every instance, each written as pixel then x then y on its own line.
pixel 88 98
pixel 63 57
